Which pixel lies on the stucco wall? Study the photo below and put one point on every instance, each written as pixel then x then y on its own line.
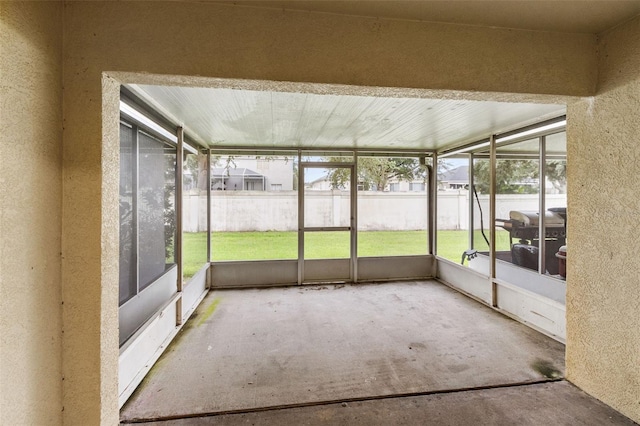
pixel 30 216
pixel 192 38
pixel 211 40
pixel 603 282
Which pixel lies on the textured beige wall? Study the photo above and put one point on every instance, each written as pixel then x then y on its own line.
pixel 30 216
pixel 201 39
pixel 603 283
pixel 192 38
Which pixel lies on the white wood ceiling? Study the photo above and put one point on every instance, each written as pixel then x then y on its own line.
pixel 245 118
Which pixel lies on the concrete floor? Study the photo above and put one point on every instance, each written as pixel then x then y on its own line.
pixel 551 403
pixel 335 354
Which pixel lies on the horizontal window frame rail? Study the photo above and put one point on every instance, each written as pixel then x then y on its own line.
pixel 327 165
pixel 133 115
pixel 483 144
pixel 326 228
pixel 400 152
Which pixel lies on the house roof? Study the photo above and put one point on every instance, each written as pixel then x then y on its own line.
pixel 234 172
pixel 459 174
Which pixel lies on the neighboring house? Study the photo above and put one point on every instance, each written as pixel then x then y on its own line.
pixel 417 185
pixel 236 179
pixel 322 184
pixel 456 178
pixel 254 174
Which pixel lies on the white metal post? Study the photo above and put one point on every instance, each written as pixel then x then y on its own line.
pixel 471 195
pixel 492 220
pixel 179 206
pixel 353 223
pixel 542 243
pixel 433 207
pixel 300 219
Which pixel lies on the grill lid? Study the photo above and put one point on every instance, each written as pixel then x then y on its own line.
pixel 530 218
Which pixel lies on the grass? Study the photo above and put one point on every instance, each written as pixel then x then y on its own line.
pixel 324 245
pixel 451 244
pixel 194 252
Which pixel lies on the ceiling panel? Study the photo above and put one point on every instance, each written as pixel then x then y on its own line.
pixel 246 118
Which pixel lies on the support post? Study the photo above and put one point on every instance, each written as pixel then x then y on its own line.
pixel 354 219
pixel 209 209
pixel 470 194
pixel 300 219
pixel 136 195
pixel 492 220
pixel 209 212
pixel 432 220
pixel 542 246
pixel 179 216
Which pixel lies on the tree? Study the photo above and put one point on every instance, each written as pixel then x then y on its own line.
pixel 296 173
pixel 518 176
pixel 375 173
pixel 556 171
pixel 197 166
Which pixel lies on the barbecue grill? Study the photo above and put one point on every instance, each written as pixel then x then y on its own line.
pixel 524 226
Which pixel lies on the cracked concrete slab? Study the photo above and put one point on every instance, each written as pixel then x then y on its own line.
pixel 246 349
pixel 553 403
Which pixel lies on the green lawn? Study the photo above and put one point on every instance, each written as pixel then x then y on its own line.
pixel 451 244
pixel 194 252
pixel 324 245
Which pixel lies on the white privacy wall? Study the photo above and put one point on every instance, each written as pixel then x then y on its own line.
pixel 391 211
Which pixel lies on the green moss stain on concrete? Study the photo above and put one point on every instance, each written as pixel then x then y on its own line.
pixel 201 317
pixel 546 368
pixel 208 311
